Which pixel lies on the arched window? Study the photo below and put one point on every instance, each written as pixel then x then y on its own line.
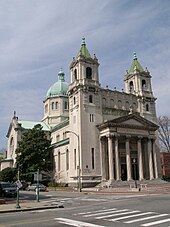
pixel 119 104
pixel 11 146
pixel 90 99
pixel 92 157
pixel 127 105
pixel 74 100
pixel 56 105
pixel 52 106
pixel 46 108
pixel 134 106
pixel 88 73
pixel 65 105
pixel 57 138
pixel 147 107
pixel 143 84
pixel 131 87
pixel 112 103
pixel 59 160
pixel 75 74
pixel 67 159
pixel 104 101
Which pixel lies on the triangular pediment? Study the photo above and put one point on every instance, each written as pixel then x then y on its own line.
pixel 130 121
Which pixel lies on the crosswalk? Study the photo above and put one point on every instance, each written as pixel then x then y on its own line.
pixel 50 198
pixel 127 216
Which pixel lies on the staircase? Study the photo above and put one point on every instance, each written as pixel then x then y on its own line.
pixel 155 185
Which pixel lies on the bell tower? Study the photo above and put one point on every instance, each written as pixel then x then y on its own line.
pixel 84 68
pixel 138 82
pixel 85 110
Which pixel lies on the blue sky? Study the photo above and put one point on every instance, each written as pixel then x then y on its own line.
pixel 38 37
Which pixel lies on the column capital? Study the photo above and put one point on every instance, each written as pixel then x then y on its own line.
pixel 140 137
pixel 128 137
pixel 151 137
pixel 110 135
pixel 102 138
pixel 115 134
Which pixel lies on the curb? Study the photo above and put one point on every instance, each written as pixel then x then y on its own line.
pixel 30 209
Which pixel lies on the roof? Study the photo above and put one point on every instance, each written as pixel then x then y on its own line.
pixel 83 51
pixel 135 64
pixel 31 124
pixel 59 88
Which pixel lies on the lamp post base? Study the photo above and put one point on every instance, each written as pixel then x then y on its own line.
pixel 17 206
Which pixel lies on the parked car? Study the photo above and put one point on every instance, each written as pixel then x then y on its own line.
pixel 24 185
pixel 33 187
pixel 8 189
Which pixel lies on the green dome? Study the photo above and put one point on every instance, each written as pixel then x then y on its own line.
pixel 59 88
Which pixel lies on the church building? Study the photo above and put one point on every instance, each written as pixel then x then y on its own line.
pixel 98 134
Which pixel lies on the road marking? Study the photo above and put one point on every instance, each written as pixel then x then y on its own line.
pixel 118 214
pixel 146 218
pixel 97 211
pixel 156 222
pixel 76 223
pixel 101 212
pixel 131 216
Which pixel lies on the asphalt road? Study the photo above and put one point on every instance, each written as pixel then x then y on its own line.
pixel 94 210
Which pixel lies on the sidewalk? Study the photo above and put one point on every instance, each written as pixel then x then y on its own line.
pixel 34 205
pixel 28 206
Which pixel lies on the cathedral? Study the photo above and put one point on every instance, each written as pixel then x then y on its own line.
pixel 98 134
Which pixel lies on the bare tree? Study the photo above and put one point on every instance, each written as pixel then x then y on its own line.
pixel 164 133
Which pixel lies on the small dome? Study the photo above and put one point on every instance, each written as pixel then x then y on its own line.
pixel 59 88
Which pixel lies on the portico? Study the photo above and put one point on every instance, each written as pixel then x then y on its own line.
pixel 123 140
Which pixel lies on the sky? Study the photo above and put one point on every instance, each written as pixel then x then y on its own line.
pixel 38 37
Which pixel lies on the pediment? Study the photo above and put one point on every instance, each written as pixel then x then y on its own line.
pixel 130 121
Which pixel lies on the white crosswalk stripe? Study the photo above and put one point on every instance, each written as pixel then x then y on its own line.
pixel 118 214
pixel 130 216
pixel 146 218
pixel 134 216
pixel 156 222
pixel 75 223
pixel 97 211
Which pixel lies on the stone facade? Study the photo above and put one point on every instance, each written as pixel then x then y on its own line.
pixel 99 134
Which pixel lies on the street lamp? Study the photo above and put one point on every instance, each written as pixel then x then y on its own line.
pixel 18 181
pixel 37 187
pixel 78 167
pixel 134 162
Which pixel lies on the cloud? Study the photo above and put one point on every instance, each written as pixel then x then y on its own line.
pixel 38 37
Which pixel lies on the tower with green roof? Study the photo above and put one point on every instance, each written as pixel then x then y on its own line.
pixel 84 105
pixel 84 68
pixel 138 82
pixel 56 102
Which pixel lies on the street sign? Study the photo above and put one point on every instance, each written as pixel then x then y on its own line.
pixel 36 177
pixel 18 183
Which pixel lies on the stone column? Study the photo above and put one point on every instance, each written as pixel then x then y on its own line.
pixel 155 159
pixel 102 158
pixel 150 159
pixel 128 160
pixel 117 162
pixel 140 161
pixel 111 166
